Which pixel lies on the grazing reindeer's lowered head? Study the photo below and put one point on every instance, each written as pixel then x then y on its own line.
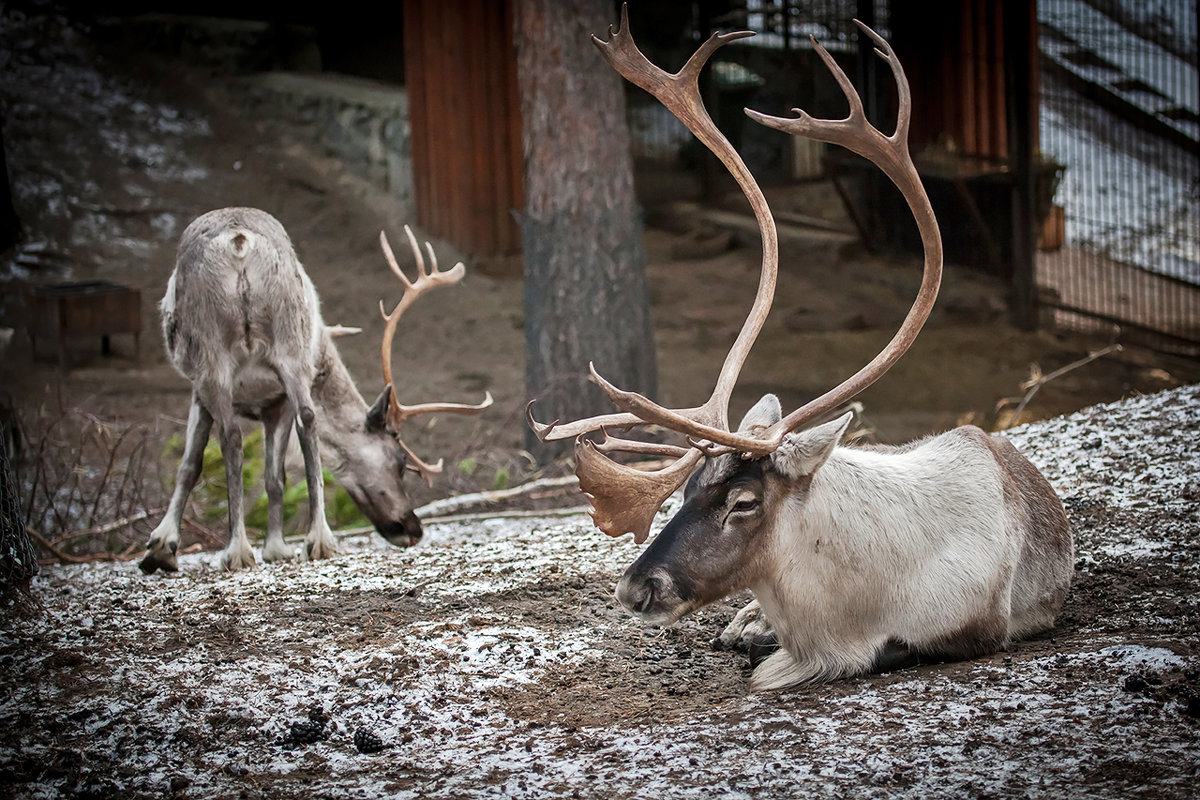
pixel 242 322
pixel 860 559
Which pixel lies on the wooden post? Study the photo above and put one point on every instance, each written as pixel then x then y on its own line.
pixel 1020 37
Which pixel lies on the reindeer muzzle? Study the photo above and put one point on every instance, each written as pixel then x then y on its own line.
pixel 404 533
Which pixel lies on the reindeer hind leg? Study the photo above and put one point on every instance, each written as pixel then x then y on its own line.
pixel 319 542
pixel 164 539
pixel 217 395
pixel 277 428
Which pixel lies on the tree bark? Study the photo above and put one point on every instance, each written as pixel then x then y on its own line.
pixel 18 559
pixel 586 297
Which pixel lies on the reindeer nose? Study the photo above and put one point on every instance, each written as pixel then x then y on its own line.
pixel 638 596
pixel 404 533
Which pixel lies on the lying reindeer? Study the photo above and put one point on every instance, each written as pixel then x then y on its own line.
pixel 865 559
pixel 242 322
pixel 862 559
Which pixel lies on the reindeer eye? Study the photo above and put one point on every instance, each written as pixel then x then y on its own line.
pixel 746 505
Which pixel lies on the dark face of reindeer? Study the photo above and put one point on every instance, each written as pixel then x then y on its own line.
pixel 708 548
pixel 377 485
pixel 722 539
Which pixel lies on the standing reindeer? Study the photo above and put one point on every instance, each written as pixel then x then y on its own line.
pixel 862 559
pixel 242 322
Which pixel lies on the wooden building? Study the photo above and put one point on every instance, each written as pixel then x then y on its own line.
pixel 461 72
pixel 971 65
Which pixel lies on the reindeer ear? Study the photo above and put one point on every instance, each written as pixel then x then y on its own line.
pixel 803 452
pixel 377 414
pixel 765 413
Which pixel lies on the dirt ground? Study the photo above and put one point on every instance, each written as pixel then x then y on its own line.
pixel 492 661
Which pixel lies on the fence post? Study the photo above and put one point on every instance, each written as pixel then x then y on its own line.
pixel 1021 103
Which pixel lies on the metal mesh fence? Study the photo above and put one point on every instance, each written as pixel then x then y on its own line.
pixel 1119 112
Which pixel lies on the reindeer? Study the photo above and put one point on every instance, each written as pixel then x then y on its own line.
pixel 863 559
pixel 242 323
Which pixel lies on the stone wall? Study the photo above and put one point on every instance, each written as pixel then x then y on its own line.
pixel 361 123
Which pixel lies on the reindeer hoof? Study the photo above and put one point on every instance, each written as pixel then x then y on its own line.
pixel 761 647
pixel 159 556
pixel 319 547
pixel 232 561
pixel 274 553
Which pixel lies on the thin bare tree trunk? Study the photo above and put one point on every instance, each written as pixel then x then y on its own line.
pixel 18 559
pixel 586 296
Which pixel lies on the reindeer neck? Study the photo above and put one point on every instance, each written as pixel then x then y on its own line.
pixel 340 406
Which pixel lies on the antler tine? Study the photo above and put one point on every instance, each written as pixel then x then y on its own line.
pixel 415 464
pixel 680 94
pixel 403 412
pixel 427 280
pixel 691 422
pixel 391 259
pixel 904 112
pixel 890 154
pixel 611 444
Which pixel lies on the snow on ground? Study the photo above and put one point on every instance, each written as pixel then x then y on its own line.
pixel 491 660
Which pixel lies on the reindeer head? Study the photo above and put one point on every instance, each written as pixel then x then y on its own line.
pixel 383 456
pixel 707 548
pixel 722 537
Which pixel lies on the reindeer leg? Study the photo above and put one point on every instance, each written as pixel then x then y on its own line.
pixel 748 625
pixel 277 426
pixel 164 540
pixel 894 655
pixel 219 400
pixel 319 543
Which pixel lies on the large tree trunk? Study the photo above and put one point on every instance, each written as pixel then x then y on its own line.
pixel 585 284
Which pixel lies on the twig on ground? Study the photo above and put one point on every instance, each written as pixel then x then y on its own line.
pixel 512 514
pixel 458 503
pixel 109 527
pixel 1037 381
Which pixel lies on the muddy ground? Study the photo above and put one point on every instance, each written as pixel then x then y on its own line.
pixel 492 659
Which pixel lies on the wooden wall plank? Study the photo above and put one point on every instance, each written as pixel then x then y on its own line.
pixel 465 117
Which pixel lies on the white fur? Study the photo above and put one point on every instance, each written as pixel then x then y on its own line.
pixel 909 545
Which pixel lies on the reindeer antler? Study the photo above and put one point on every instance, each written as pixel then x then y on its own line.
pixel 626 499
pixel 642 492
pixel 680 94
pixel 397 412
